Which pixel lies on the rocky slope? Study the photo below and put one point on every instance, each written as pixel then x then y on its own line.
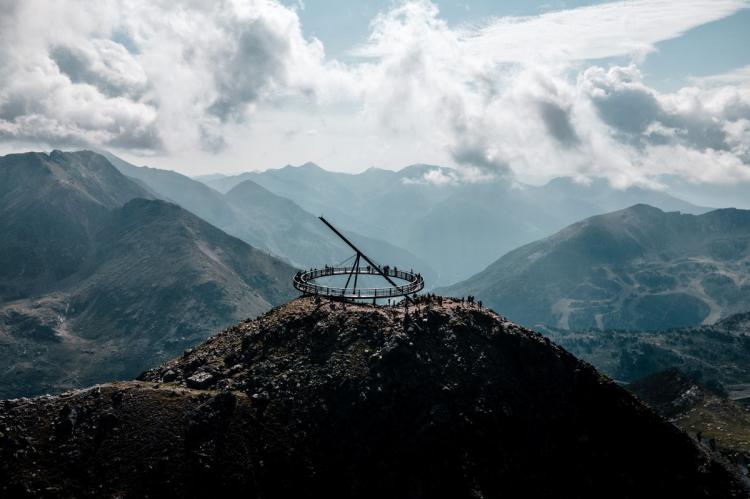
pixel 322 400
pixel 638 268
pixel 101 283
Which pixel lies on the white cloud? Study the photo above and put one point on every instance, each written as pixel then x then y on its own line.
pixel 501 98
pixel 434 177
pixel 738 76
pixel 146 75
pixel 100 100
pixel 610 29
pixel 695 118
pixel 237 82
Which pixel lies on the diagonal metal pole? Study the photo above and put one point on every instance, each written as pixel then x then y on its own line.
pixel 351 245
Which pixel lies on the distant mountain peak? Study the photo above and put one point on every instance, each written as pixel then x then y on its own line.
pixel 140 207
pixel 644 208
pixel 248 186
pixel 309 165
pixel 635 268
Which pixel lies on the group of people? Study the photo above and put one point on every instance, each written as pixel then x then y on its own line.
pixel 433 296
pixel 470 300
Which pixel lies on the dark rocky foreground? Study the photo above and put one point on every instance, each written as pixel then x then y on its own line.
pixel 317 401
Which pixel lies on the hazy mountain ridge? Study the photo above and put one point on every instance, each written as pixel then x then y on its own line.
pixel 638 268
pixel 50 206
pixel 267 220
pixel 458 225
pixel 147 279
pixel 286 229
pixel 171 186
pixel 320 399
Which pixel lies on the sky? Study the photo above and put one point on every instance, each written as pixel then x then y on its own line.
pixel 635 91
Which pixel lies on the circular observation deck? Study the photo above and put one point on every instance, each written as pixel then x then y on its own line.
pixel 304 281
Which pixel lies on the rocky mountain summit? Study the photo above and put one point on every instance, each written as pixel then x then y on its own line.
pixel 321 399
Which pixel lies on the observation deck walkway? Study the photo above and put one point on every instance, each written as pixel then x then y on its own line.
pixel 304 281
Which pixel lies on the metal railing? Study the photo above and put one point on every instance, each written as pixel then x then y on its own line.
pixel 303 282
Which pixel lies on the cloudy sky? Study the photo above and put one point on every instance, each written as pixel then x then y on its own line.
pixel 637 91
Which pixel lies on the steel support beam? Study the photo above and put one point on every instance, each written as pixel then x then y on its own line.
pixel 360 254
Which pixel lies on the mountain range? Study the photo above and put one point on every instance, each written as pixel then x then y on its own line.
pixel 99 280
pixel 267 221
pixel 50 208
pixel 458 226
pixel 67 216
pixel 108 269
pixel 325 400
pixel 638 268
